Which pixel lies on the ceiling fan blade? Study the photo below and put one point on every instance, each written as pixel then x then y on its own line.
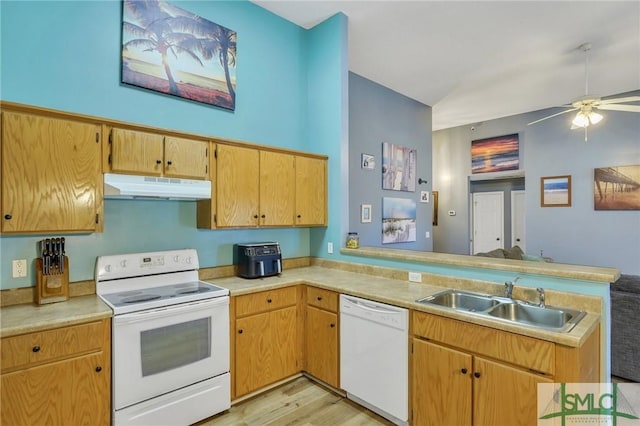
pixel 620 100
pixel 615 107
pixel 553 115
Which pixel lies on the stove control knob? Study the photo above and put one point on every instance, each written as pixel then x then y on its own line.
pixel 123 263
pixel 107 268
pixel 176 259
pixel 188 259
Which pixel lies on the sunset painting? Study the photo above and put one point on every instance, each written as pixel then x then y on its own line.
pixel 495 154
pixel 169 50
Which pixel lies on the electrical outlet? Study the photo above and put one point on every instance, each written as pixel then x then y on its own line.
pixel 19 268
pixel 416 277
pixel 427 234
pixel 330 248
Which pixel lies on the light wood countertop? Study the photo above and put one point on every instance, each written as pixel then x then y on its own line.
pixel 27 318
pixel 561 270
pixel 405 293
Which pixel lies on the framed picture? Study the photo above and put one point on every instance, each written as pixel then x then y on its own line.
pixel 187 56
pixel 398 220
pixel 368 162
pixel 495 154
pixel 365 213
pixel 434 195
pixel 616 188
pixel 555 191
pixel 398 167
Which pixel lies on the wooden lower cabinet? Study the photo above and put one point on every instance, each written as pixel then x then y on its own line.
pixel 441 385
pixel 266 346
pixel 466 374
pixel 504 395
pixel 321 330
pixel 73 386
pixel 321 337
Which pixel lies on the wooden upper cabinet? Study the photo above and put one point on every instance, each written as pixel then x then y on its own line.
pixel 136 152
pixel 237 186
pixel 153 154
pixel 51 174
pixel 311 191
pixel 277 189
pixel 186 158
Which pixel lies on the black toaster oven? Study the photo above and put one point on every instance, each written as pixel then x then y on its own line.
pixel 257 260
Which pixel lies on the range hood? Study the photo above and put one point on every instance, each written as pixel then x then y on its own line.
pixel 149 187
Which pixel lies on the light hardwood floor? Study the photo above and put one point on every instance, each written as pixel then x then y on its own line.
pixel 300 402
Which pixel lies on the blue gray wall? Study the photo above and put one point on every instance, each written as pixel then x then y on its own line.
pixel 577 234
pixel 376 115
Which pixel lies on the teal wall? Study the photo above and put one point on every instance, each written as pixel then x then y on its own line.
pixel 65 55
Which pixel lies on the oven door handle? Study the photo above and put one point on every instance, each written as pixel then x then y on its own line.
pixel 171 310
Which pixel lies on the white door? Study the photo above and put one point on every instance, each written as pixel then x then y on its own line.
pixel 487 231
pixel 517 220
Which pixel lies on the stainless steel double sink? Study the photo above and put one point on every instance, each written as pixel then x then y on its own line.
pixel 508 310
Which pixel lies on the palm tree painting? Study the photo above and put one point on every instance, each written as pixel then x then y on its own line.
pixel 173 51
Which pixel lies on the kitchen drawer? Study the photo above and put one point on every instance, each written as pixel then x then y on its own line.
pixel 323 299
pixel 263 301
pixel 528 352
pixel 33 348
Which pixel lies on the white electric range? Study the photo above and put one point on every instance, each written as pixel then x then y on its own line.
pixel 170 346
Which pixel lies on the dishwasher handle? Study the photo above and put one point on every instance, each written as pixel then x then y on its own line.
pixel 392 316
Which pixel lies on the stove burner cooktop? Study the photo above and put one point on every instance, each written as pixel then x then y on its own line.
pixel 164 295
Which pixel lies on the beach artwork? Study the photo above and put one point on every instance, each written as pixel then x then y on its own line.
pixel 172 51
pixel 555 191
pixel 398 167
pixel 617 188
pixel 495 154
pixel 398 220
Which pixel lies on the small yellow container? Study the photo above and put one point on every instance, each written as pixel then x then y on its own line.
pixel 353 241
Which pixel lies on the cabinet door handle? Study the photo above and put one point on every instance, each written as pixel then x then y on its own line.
pixel 319 298
pixel 476 374
pixel 8 216
pixel 240 331
pixel 332 325
pixel 464 371
pixel 269 300
pixel 299 216
pixel 255 216
pixel 98 369
pixel 36 348
pixel 263 216
pixel 158 161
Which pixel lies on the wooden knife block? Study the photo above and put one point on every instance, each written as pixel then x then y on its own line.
pixel 53 287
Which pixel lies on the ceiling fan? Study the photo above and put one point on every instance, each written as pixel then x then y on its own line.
pixel 588 104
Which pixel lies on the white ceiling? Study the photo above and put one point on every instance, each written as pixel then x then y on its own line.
pixel 479 60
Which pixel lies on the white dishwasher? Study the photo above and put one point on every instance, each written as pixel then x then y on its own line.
pixel 374 359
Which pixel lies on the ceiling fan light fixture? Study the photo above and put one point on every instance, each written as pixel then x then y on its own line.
pixel 581 120
pixel 584 119
pixel 594 117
